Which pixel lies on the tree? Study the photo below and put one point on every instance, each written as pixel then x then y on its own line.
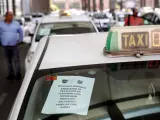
pixel 14 7
pixel 88 5
pixel 101 5
pixel 84 4
pixel 94 5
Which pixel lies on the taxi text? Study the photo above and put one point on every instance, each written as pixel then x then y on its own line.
pixel 132 40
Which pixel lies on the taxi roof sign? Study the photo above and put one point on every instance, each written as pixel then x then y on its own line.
pixel 64 13
pixel 133 40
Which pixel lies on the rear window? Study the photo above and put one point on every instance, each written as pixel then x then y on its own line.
pixel 65 28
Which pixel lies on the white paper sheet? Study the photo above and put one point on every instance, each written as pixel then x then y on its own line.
pixel 69 94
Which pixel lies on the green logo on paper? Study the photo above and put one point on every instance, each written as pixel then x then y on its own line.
pixel 79 81
pixel 64 81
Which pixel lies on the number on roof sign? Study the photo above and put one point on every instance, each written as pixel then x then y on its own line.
pixel 132 40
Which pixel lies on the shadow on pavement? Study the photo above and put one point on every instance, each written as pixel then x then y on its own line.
pixel 9 90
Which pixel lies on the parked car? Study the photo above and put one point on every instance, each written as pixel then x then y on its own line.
pixel 21 21
pixel 102 21
pixel 60 25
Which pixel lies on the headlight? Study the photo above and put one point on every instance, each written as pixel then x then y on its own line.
pixel 30 56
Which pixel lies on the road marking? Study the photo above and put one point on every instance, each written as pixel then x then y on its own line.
pixel 2 97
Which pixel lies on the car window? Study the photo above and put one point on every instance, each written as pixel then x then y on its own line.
pixel 128 84
pixel 34 15
pixel 65 28
pixel 37 15
pixel 151 19
pixel 148 16
pixel 43 86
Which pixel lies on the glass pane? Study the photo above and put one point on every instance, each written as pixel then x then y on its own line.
pixel 42 87
pixel 66 28
pixel 130 85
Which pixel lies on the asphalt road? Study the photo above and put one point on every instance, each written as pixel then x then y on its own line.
pixel 8 90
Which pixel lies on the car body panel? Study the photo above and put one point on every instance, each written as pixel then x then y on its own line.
pixel 51 19
pixel 68 51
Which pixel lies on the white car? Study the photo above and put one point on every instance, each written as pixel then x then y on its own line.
pixel 21 21
pixel 37 17
pixel 28 18
pixel 29 24
pixel 102 21
pixel 59 26
pixel 151 18
pixel 145 10
pixel 70 78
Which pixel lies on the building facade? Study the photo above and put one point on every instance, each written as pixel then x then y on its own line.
pixel 139 3
pixel 79 4
pixel 91 5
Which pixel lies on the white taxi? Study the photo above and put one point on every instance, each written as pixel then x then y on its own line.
pixel 96 78
pixel 102 21
pixel 59 25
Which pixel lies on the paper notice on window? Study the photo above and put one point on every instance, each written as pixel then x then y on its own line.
pixel 44 31
pixel 69 94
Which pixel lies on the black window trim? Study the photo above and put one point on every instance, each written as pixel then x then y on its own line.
pixel 41 73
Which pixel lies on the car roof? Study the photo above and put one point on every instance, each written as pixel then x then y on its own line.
pixel 80 50
pixel 74 18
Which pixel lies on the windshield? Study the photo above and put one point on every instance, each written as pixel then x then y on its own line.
pixel 100 16
pixel 64 28
pixel 27 19
pixel 83 92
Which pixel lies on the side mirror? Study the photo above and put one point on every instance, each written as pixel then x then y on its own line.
pixel 27 39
